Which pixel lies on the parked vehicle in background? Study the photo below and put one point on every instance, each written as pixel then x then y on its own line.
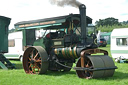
pixel 15 46
pixel 119 44
pixel 102 42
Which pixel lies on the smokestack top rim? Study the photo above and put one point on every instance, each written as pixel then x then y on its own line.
pixel 82 6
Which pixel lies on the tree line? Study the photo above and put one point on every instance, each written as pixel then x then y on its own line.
pixel 108 24
pixel 104 25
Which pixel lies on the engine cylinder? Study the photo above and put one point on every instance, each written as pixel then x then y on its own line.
pixel 68 52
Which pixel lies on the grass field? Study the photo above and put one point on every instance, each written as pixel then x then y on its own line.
pixel 19 77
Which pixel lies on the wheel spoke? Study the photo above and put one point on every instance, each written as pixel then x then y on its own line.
pixel 39 58
pixel 87 66
pixel 33 69
pixel 38 69
pixel 30 65
pixel 31 72
pixel 90 72
pixel 29 59
pixel 31 54
pixel 36 66
pixel 36 55
pixel 38 61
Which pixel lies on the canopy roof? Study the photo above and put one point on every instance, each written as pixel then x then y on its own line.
pixel 60 22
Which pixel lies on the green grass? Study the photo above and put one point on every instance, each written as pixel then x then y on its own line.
pixel 19 77
pixel 107 48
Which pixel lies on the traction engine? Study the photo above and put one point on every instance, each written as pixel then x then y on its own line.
pixel 69 39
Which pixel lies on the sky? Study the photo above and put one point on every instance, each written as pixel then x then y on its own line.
pixel 24 10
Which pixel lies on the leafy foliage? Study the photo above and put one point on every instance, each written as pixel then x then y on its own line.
pixel 125 22
pixel 12 30
pixel 108 21
pixel 108 24
pixel 110 28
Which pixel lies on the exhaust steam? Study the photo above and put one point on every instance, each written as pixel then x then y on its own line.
pixel 62 3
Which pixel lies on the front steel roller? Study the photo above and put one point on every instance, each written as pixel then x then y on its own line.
pixel 96 66
pixel 35 60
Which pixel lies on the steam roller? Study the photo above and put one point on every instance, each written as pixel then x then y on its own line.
pixel 65 40
pixel 95 66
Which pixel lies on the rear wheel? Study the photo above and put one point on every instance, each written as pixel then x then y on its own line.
pixel 35 60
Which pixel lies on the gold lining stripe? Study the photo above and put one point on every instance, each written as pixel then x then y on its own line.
pixel 55 50
pixel 75 52
pixel 63 52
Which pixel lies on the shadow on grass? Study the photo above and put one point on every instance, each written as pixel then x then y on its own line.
pixel 18 66
pixel 16 63
pixel 59 73
pixel 120 75
pixel 117 76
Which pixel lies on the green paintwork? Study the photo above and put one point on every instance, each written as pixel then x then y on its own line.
pixel 24 37
pixel 44 42
pixel 120 51
pixel 37 24
pixel 4 23
pixel 28 37
pixel 39 42
pixel 5 62
pixel 3 66
pixel 60 22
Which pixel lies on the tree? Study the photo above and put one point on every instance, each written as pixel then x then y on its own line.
pixel 125 22
pixel 107 22
pixel 11 30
